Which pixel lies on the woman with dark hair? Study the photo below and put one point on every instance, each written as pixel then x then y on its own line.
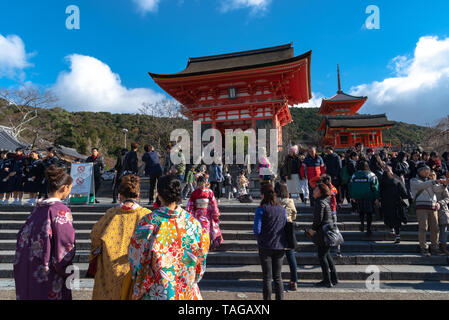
pixel 322 216
pixel 282 192
pixel 34 175
pixel 110 241
pixel 364 189
pixel 46 244
pixel 7 173
pixel 204 207
pixel 168 250
pixel 269 228
pixel 392 194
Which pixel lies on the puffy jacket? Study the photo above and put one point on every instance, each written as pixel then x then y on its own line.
pixel 364 185
pixel 424 192
pixel 443 200
pixel 312 167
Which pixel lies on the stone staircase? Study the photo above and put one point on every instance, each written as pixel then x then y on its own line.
pixel 237 259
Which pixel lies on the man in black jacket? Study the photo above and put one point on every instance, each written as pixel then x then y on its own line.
pixel 98 162
pixel 118 173
pixel 131 160
pixel 332 161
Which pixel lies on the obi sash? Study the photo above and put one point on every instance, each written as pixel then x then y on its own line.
pixel 202 203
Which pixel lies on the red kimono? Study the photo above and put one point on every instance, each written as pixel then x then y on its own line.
pixel 203 206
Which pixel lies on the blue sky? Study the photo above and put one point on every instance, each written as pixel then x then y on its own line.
pixel 124 39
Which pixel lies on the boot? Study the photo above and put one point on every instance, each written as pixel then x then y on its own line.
pixel 435 251
pixel 443 248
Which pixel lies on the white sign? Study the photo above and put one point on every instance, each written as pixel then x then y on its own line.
pixel 82 174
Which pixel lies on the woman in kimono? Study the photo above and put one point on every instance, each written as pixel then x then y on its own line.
pixel 203 206
pixel 46 244
pixel 110 238
pixel 242 184
pixel 168 250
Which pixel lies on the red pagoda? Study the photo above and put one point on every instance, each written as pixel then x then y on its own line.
pixel 249 89
pixel 343 127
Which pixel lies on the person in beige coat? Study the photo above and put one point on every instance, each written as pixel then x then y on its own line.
pixel 281 190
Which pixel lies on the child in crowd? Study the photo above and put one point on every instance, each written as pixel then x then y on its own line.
pixel 327 180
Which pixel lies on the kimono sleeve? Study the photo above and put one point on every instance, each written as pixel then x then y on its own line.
pixel 139 248
pixel 214 213
pixel 203 245
pixel 63 239
pixel 191 204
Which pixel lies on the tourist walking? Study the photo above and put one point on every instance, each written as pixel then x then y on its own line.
pixel 216 179
pixel 168 237
pixel 312 167
pixel 322 217
pixel 443 216
pixel 46 244
pixel 282 193
pixel 393 208
pixel 119 169
pixel 364 189
pixel 424 191
pixel 333 164
pixel 269 228
pixel 131 160
pixel 110 238
pixel 203 206
pixel 98 163
pixel 153 169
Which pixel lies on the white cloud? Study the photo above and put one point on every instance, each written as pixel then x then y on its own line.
pixel 419 90
pixel 147 5
pixel 255 5
pixel 13 57
pixel 90 85
pixel 315 102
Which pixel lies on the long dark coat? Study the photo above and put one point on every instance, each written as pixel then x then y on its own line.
pixel 392 192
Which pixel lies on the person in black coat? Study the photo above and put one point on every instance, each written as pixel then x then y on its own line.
pixel 322 216
pixel 34 175
pixel 392 193
pixel 119 168
pixel 51 159
pixel 98 162
pixel 153 169
pixel 333 164
pixel 131 160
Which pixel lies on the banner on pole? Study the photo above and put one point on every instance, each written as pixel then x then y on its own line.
pixel 83 181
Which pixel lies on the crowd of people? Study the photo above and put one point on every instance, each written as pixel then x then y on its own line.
pixel 161 254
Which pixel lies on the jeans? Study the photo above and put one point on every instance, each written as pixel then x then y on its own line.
pixel 327 264
pixel 427 218
pixel 216 188
pixel 271 261
pixel 291 258
pixel 443 234
pixel 153 182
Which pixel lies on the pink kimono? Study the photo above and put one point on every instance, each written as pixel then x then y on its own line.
pixel 203 206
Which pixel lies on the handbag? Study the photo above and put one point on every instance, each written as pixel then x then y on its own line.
pixel 92 270
pixel 291 235
pixel 332 235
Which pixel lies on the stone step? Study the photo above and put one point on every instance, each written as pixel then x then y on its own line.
pixel 251 245
pixel 306 272
pixel 248 235
pixel 302 258
pixel 225 216
pixel 230 225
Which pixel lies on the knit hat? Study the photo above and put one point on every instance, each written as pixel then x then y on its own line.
pixel 422 166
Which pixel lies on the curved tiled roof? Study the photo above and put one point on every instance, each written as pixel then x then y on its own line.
pixel 7 140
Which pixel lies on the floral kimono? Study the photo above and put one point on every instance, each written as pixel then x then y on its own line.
pixel 45 248
pixel 203 206
pixel 110 236
pixel 242 185
pixel 167 256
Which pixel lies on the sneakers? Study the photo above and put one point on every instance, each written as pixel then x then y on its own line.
pixel 425 253
pixel 30 202
pixel 397 240
pixel 436 252
pixel 338 254
pixel 292 286
pixel 324 284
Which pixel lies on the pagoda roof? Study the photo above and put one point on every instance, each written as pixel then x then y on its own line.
pixel 238 61
pixel 358 121
pixel 341 96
